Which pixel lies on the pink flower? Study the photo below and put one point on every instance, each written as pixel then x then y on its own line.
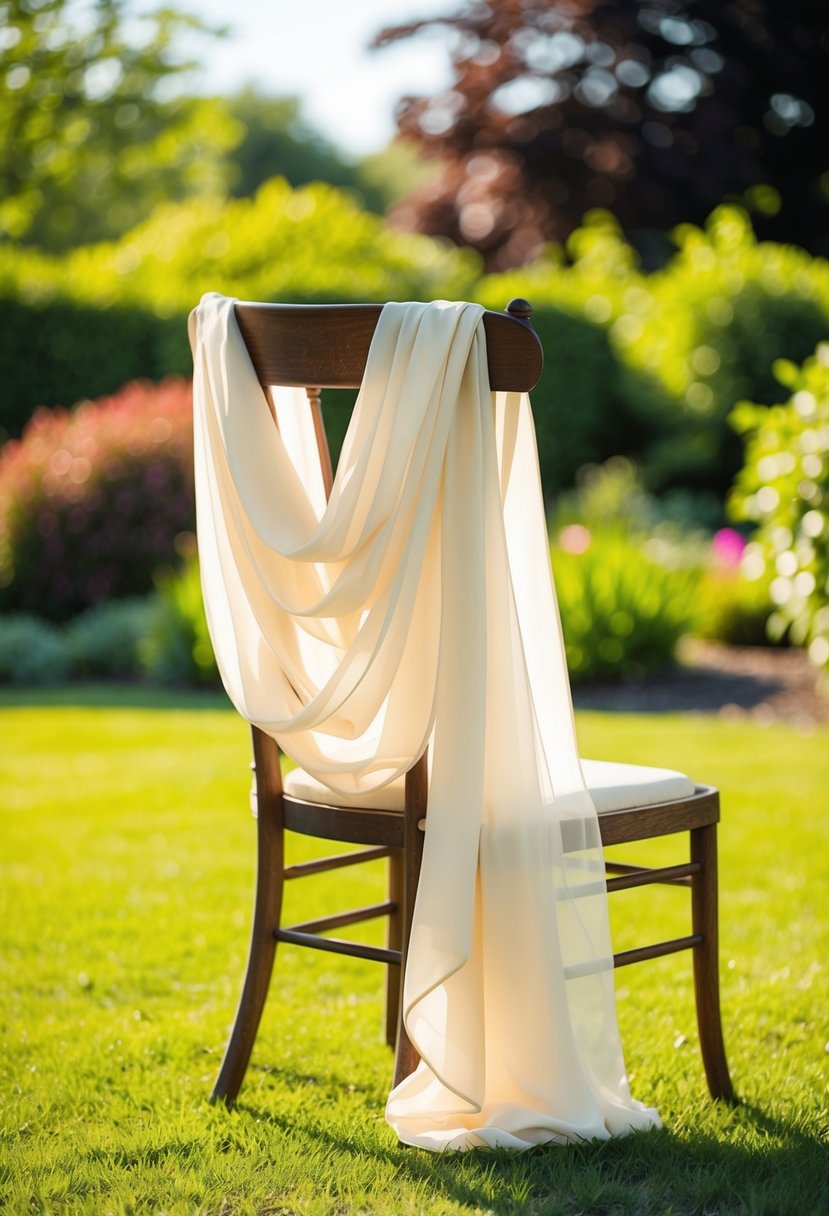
pixel 575 538
pixel 727 548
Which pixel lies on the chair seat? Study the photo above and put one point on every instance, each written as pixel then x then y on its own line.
pixel 614 787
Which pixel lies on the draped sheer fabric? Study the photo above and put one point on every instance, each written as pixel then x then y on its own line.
pixel 416 606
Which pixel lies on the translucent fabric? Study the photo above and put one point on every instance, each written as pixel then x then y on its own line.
pixel 417 606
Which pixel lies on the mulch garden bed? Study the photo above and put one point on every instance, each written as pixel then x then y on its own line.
pixel 758 683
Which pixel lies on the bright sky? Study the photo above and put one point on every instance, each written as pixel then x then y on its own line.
pixel 316 49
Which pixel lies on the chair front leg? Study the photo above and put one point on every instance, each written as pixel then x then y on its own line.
pixel 266 916
pixel 704 914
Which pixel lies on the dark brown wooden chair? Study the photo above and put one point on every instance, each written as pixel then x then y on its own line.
pixel 325 346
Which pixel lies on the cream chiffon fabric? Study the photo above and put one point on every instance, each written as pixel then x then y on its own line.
pixel 417 606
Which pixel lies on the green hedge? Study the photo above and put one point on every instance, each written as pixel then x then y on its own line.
pixel 102 315
pixel 645 365
pixel 75 352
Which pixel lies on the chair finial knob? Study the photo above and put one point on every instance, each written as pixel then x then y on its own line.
pixel 520 308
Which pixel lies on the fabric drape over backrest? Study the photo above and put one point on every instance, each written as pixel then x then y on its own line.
pixel 417 605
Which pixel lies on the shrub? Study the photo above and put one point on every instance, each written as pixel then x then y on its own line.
pixel 104 640
pixel 733 608
pixel 651 365
pixel 31 651
pixel 622 610
pixel 582 405
pixel 177 648
pixel 625 579
pixel 784 489
pixel 705 335
pixel 91 501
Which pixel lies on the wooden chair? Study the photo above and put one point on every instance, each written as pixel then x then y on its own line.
pixel 325 346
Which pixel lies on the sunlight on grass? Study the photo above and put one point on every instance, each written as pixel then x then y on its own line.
pixel 127 878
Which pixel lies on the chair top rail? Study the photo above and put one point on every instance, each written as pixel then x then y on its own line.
pixel 326 345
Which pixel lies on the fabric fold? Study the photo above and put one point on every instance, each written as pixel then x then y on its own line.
pixel 417 604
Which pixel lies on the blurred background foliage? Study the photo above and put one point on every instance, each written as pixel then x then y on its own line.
pixel 656 110
pixel 122 200
pixel 783 489
pixel 88 142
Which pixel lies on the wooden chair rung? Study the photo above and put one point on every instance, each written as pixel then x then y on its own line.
pixel 643 876
pixel 321 864
pixel 626 957
pixel 353 917
pixel 336 945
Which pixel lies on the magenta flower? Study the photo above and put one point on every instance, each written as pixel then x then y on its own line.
pixel 727 548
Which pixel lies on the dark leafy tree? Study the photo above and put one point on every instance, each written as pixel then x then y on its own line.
pixel 279 142
pixel 654 109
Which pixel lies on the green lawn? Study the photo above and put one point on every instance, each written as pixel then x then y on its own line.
pixel 127 862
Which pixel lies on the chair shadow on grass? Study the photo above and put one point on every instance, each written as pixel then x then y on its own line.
pixel 651 1172
pixel 294 1078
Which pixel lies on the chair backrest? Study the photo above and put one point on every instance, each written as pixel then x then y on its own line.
pixel 317 346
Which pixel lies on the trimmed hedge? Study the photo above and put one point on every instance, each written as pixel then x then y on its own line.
pixel 99 316
pixel 75 352
pixel 644 365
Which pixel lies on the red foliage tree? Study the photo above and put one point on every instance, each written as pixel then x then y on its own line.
pixel 654 109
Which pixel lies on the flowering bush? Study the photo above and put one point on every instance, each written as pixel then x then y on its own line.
pixel 784 489
pixel 91 501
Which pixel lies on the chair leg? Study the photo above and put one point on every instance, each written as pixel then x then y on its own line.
pixel 395 941
pixel 406 1057
pixel 267 910
pixel 706 961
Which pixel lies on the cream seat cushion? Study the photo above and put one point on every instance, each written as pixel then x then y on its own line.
pixel 614 787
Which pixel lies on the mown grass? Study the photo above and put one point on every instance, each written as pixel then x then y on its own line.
pixel 127 863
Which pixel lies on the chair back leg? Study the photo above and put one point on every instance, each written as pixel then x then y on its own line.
pixel 394 971
pixel 406 1057
pixel 706 961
